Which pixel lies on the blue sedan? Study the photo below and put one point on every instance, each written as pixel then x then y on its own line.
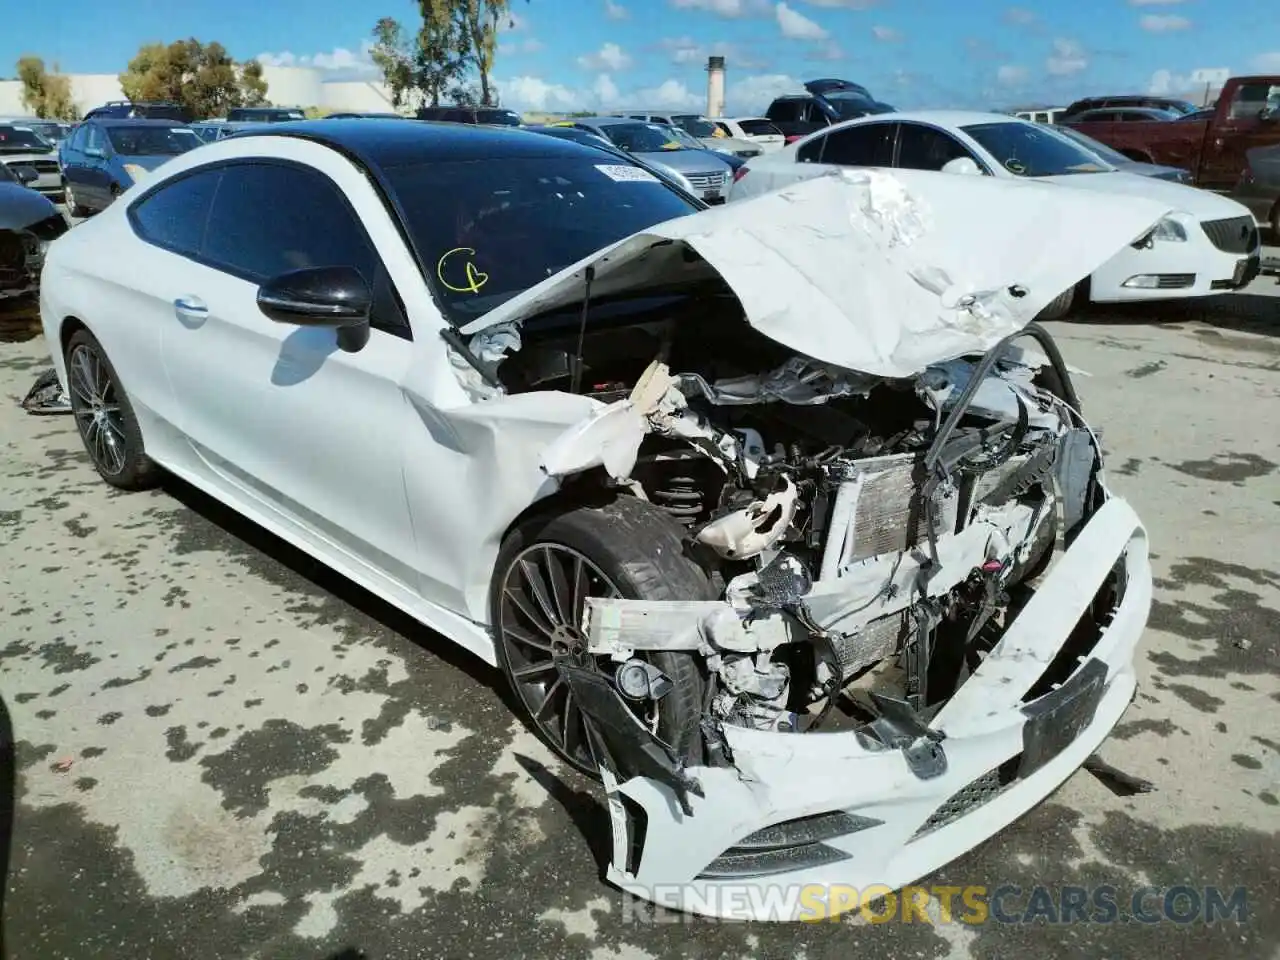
pixel 103 158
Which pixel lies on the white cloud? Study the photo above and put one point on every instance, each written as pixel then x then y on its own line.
pixel 605 90
pixel 536 95
pixel 1166 82
pixel 886 34
pixel 796 26
pixel 1163 23
pixel 1068 57
pixel 1020 16
pixel 1267 62
pixel 751 96
pixel 339 62
pixel 828 52
pixel 687 50
pixel 1012 75
pixel 608 57
pixel 683 49
pixel 615 11
pixel 729 9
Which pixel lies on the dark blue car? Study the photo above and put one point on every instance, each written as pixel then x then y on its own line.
pixel 104 158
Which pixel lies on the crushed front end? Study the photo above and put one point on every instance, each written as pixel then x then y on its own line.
pixel 930 608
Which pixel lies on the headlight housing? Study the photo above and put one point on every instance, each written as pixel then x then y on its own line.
pixel 1169 231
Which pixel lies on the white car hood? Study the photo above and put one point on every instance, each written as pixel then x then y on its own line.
pixel 880 273
pixel 1201 204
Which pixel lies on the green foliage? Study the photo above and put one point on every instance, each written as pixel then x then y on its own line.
pixel 47 95
pixel 200 76
pixel 458 39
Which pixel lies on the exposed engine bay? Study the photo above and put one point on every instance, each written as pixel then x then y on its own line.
pixel 870 537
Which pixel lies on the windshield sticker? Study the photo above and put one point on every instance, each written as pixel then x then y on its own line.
pixel 23 129
pixel 466 276
pixel 623 174
pixel 180 130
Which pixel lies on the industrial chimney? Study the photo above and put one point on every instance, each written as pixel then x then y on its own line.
pixel 715 86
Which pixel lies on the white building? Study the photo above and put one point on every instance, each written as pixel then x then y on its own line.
pixel 286 86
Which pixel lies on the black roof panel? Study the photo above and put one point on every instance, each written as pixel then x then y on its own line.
pixel 390 143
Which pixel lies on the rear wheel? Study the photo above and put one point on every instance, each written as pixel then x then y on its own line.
pixel 546 570
pixel 1060 305
pixel 104 416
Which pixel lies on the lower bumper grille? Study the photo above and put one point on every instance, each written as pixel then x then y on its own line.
pixel 1233 235
pixel 971 796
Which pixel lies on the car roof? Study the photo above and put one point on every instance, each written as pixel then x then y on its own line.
pixel 610 121
pixel 940 118
pixel 135 122
pixel 389 143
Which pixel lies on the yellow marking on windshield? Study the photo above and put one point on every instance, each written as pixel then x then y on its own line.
pixel 475 279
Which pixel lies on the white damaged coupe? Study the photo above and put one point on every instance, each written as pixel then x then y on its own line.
pixel 780 516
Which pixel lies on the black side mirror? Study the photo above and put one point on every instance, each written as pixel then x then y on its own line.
pixel 335 297
pixel 26 175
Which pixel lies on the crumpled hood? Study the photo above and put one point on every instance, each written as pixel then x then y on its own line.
pixel 1201 204
pixel 881 273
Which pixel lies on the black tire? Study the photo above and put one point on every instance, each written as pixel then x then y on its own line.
pixel 1059 306
pixel 639 549
pixel 105 418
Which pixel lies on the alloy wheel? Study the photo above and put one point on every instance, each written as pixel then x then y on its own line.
pixel 97 409
pixel 544 594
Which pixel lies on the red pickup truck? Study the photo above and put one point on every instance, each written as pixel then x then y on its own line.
pixel 1212 149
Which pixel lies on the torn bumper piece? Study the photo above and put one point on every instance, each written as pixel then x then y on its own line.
pixel 796 820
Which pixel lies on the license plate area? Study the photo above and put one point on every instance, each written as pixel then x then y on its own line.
pixel 1058 718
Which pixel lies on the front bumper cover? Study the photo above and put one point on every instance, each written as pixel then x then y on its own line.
pixel 796 820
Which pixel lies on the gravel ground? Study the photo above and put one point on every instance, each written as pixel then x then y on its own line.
pixel 224 751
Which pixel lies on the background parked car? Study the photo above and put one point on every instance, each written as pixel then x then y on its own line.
pixel 1118 160
pixel 565 130
pixel 140 110
pixel 22 146
pixel 28 223
pixel 1206 244
pixel 104 158
pixel 757 130
pixel 707 172
pixel 708 135
pixel 825 102
pixel 265 114
pixel 490 115
pixel 1124 115
pixel 1259 187
pixel 1171 104
pixel 365 116
pixel 687 139
pixel 52 130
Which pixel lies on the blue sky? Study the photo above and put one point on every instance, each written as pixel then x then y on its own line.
pixel 568 54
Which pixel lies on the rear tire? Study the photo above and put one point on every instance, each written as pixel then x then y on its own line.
pixel 1060 305
pixel 626 547
pixel 105 418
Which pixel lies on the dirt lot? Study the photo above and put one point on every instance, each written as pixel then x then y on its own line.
pixel 225 752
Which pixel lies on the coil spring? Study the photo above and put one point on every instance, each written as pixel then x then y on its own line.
pixel 681 498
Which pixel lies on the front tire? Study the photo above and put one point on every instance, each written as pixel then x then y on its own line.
pixel 1060 305
pixel 105 418
pixel 546 569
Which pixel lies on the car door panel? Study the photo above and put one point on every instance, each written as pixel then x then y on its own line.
pixel 278 410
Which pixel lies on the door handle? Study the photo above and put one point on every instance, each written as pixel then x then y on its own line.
pixel 190 308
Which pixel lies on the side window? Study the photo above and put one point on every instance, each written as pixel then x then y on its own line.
pixel 1251 99
pixel 175 215
pixel 866 145
pixel 785 111
pixel 926 148
pixel 724 128
pixel 811 151
pixel 94 140
pixel 253 234
pixel 812 113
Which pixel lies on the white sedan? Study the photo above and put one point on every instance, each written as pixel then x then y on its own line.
pixel 757 130
pixel 682 474
pixel 1207 244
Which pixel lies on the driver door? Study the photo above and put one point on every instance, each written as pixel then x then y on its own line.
pixel 277 414
pixel 1239 129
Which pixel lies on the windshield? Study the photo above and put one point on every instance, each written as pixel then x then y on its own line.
pixel 487 230
pixel 152 141
pixel 850 104
pixel 640 137
pixel 683 137
pixel 698 127
pixel 759 128
pixel 22 139
pixel 1026 150
pixel 1113 157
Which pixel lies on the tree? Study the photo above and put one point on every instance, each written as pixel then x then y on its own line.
pixel 47 95
pixel 201 77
